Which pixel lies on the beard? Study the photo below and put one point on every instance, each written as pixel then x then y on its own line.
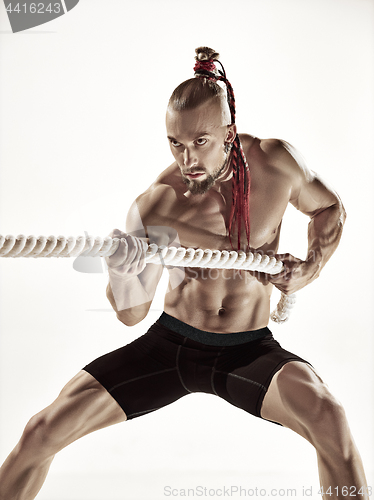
pixel 201 187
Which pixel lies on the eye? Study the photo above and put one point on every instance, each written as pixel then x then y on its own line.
pixel 174 143
pixel 201 141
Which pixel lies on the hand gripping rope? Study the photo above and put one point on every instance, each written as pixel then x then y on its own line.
pixel 90 246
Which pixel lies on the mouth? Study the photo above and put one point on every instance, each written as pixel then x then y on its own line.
pixel 193 176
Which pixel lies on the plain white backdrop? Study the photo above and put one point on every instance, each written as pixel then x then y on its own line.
pixel 82 133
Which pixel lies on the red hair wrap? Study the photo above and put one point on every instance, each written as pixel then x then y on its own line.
pixel 241 184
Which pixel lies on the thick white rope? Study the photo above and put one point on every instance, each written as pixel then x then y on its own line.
pixel 90 246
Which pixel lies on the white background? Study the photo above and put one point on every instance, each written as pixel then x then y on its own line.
pixel 83 100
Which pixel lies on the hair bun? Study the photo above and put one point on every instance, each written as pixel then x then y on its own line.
pixel 205 54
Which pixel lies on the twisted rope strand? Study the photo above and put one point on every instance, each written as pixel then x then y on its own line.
pixel 90 246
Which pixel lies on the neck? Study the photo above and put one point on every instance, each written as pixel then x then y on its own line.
pixel 225 175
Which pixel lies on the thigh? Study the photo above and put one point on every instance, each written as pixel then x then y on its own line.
pixel 144 375
pixel 83 406
pixel 244 374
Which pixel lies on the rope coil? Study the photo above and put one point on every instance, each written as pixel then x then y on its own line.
pixel 90 246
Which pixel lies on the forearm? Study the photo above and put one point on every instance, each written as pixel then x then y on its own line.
pixel 324 233
pixel 133 302
pixel 131 296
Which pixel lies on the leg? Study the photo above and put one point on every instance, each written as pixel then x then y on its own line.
pixel 298 399
pixel 140 377
pixel 83 406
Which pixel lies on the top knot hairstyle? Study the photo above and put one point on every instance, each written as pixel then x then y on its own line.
pixel 198 90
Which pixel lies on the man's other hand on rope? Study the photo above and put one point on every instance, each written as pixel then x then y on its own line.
pixel 295 275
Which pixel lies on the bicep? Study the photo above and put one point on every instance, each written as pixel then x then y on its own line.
pixel 314 195
pixel 134 223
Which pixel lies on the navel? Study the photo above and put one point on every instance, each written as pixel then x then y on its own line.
pixel 221 311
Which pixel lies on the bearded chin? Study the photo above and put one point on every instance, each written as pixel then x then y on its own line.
pixel 196 187
pixel 201 187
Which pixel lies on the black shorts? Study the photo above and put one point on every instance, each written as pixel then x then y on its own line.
pixel 174 359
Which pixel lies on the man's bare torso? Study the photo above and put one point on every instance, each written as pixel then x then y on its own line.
pixel 221 301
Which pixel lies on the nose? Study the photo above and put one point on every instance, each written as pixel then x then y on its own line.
pixel 189 159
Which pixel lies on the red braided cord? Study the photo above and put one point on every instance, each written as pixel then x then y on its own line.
pixel 205 65
pixel 241 176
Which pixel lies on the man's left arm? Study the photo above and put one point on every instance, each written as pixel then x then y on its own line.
pixel 313 197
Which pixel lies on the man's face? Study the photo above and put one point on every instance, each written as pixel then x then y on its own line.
pixel 199 142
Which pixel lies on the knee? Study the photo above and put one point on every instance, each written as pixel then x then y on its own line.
pixel 319 413
pixel 37 440
pixel 330 431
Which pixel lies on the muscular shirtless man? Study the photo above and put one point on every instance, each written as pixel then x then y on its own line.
pixel 213 335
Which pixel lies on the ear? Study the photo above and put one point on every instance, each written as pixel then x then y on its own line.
pixel 231 133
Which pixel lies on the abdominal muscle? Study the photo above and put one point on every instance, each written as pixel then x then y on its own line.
pixel 219 301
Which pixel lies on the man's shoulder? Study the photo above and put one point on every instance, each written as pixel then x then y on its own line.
pixel 255 147
pixel 275 147
pixel 247 139
pixel 273 154
pixel 252 145
pixel 169 178
pixel 277 161
pixel 279 151
pixel 163 191
pixel 167 182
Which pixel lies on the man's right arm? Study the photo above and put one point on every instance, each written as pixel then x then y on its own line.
pixel 133 290
pixel 132 284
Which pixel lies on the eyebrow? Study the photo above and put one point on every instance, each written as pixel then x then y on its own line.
pixel 200 134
